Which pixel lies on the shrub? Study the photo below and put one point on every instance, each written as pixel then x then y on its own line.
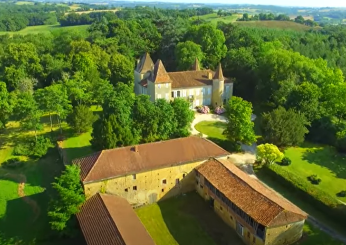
pixel 314 179
pixel 285 161
pixel 33 147
pixel 341 194
pixel 219 110
pixel 203 109
pixel 12 163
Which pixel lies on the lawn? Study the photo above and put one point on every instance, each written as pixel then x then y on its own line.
pixel 323 161
pixel 214 18
pixel 290 25
pixel 212 129
pixel 47 29
pixel 314 236
pixel 186 220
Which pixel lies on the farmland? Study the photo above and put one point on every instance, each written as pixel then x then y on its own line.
pixel 47 29
pixel 288 25
pixel 214 18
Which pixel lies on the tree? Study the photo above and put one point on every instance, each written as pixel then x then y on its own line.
pixel 212 42
pixel 283 128
pixel 6 106
pixel 121 70
pixel 335 104
pixel 299 19
pixel 186 53
pixel 269 153
pixel 69 199
pixel 166 119
pixel 239 128
pixel 184 117
pixel 245 17
pixel 81 118
pixel 305 99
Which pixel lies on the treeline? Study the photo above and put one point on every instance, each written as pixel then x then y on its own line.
pixel 16 17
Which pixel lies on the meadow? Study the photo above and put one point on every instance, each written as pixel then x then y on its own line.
pixel 214 18
pixel 288 25
pixel 47 29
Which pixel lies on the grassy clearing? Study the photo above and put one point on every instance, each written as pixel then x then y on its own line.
pixel 314 236
pixel 24 3
pixel 186 220
pixel 289 25
pixel 47 29
pixel 214 18
pixel 212 129
pixel 321 160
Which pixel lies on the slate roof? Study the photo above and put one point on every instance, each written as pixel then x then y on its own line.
pixel 145 64
pixel 133 159
pixel 261 203
pixel 110 220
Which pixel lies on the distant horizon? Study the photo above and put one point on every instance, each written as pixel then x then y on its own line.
pixel 292 3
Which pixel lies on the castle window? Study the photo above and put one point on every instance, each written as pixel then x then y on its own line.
pixel 134 176
pixel 126 190
pixel 164 181
pixel 172 94
pixel 166 85
pixel 178 94
pixel 167 96
pixel 159 86
pixel 197 92
pixel 135 188
pixel 184 93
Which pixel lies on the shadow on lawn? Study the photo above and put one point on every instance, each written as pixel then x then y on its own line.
pixel 77 152
pixel 329 158
pixel 183 214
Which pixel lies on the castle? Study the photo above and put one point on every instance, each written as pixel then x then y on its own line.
pixel 199 87
pixel 118 179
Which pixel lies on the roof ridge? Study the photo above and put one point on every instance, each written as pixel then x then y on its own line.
pixel 189 71
pixel 110 216
pixel 267 198
pixel 93 166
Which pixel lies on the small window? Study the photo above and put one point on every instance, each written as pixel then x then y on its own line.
pixel 159 85
pixel 163 190
pixel 126 190
pixel 164 181
pixel 248 234
pixel 254 239
pixel 135 188
pixel 201 186
pixel 221 208
pixel 134 176
pixel 166 85
pixel 178 94
pixel 184 175
pixel 176 181
pixel 197 182
pixel 172 94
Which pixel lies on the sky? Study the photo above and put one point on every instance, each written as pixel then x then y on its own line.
pixel 303 3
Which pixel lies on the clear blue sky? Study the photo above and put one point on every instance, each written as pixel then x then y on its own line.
pixel 305 3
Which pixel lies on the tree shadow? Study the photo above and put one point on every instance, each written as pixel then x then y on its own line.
pixel 191 220
pixel 72 153
pixel 327 157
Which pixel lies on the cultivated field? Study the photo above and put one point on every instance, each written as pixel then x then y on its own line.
pixel 214 18
pixel 47 29
pixel 275 24
pixel 93 11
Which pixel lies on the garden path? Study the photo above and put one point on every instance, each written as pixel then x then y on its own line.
pixel 21 178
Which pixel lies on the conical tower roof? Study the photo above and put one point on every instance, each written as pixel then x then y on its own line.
pixel 218 73
pixel 159 74
pixel 195 66
pixel 145 64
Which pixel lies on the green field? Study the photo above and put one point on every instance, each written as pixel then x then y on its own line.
pixel 212 129
pixel 214 18
pixel 24 3
pixel 325 162
pixel 186 220
pixel 289 25
pixel 47 29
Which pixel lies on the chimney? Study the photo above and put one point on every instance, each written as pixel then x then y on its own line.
pixel 210 75
pixel 135 148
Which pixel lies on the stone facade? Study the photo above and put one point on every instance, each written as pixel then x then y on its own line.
pixel 200 87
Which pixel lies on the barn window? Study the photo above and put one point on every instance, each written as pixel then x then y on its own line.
pixel 164 181
pixel 126 190
pixel 134 176
pixel 135 188
pixel 163 190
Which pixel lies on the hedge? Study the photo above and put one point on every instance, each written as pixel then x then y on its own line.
pixel 315 196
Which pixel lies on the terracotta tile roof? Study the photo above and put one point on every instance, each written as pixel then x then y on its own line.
pixel 218 73
pixel 144 82
pixel 133 159
pixel 185 79
pixel 261 203
pixel 195 66
pixel 159 75
pixel 110 220
pixel 145 64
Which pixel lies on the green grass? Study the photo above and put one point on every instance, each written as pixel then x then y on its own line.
pixel 290 25
pixel 78 146
pixel 47 29
pixel 186 220
pixel 24 3
pixel 212 129
pixel 214 18
pixel 323 161
pixel 314 236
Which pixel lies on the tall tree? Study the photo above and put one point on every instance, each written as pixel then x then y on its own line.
pixel 186 53
pixel 283 128
pixel 6 105
pixel 70 197
pixel 121 70
pixel 81 118
pixel 184 117
pixel 166 119
pixel 240 128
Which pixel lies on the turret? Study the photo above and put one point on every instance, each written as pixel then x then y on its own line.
pixel 144 66
pixel 218 87
pixel 195 66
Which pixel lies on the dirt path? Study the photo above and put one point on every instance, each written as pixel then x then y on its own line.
pixel 22 180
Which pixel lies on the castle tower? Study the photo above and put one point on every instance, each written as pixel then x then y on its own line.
pixel 195 66
pixel 218 87
pixel 159 83
pixel 144 66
